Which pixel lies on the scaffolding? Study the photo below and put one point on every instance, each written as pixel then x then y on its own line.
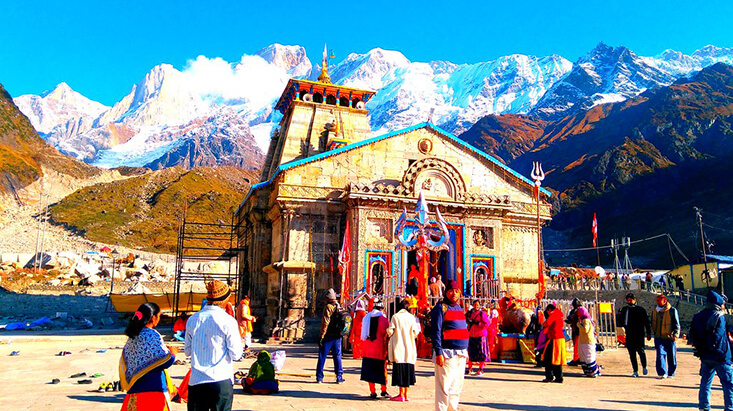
pixel 205 252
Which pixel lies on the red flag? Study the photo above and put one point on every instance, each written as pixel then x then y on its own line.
pixel 595 231
pixel 345 263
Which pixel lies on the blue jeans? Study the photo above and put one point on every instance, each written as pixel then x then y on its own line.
pixel 666 356
pixel 328 346
pixel 725 374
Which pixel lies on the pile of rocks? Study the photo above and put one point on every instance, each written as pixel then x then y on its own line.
pixel 69 268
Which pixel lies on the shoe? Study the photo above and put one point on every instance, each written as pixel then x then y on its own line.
pixel 78 375
pixel 96 375
pixel 645 371
pixel 373 395
pixel 116 386
pixel 319 381
pixel 384 394
pixel 670 376
pixel 558 381
pixel 546 380
pixel 468 371
pixel 102 387
pixel 662 377
pixel 55 381
pixel 340 380
pixel 87 381
pixel 634 374
pixel 63 353
pixel 397 398
pixel 480 372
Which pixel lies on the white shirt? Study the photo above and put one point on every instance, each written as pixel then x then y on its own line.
pixel 213 342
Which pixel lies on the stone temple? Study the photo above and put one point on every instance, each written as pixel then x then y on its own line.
pixel 324 167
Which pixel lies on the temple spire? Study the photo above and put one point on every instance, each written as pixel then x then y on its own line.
pixel 324 77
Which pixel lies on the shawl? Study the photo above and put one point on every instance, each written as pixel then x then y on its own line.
pixel 141 355
pixel 366 323
pixel 262 369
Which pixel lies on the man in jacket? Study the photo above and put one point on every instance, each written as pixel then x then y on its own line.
pixel 635 321
pixel 330 339
pixel 666 328
pixel 709 338
pixel 450 348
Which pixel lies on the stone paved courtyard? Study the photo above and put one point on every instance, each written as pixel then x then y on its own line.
pixel 24 382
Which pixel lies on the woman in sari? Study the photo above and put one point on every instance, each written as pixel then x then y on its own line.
pixel 587 344
pixel 143 363
pixel 374 362
pixel 261 376
pixel 478 346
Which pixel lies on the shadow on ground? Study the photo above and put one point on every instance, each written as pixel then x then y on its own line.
pixel 117 398
pixel 527 407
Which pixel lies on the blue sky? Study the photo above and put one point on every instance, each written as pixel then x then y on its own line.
pixel 101 48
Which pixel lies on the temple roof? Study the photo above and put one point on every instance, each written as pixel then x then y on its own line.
pixel 294 86
pixel 363 143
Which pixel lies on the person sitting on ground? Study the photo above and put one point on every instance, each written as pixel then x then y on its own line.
pixel 144 363
pixel 261 376
pixel 179 328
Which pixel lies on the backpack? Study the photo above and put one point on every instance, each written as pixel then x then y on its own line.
pixel 340 321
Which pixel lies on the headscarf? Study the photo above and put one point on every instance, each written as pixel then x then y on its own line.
pixel 583 314
pixel 141 355
pixel 262 369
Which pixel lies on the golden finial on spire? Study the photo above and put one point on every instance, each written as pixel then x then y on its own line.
pixel 324 77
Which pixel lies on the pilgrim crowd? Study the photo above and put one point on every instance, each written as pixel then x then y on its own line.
pixel 458 336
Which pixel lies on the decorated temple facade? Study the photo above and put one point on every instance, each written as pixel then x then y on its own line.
pixel 324 169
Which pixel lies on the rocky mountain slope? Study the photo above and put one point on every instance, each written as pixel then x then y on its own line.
pixel 144 211
pixel 641 164
pixel 24 155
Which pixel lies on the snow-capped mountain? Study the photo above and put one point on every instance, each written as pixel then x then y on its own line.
pixel 60 113
pixel 170 107
pixel 458 95
pixel 604 75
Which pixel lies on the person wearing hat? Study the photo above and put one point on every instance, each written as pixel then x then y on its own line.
pixel 213 343
pixel 402 332
pixel 666 329
pixel 374 351
pixel 450 348
pixel 635 321
pixel 330 339
pixel 709 338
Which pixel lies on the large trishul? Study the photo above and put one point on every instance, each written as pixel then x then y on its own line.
pixel 538 175
pixel 423 237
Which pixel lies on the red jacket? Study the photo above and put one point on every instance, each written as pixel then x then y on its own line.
pixel 554 325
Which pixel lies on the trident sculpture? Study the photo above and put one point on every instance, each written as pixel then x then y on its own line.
pixel 538 175
pixel 423 238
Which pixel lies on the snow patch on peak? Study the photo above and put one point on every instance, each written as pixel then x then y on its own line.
pixel 292 59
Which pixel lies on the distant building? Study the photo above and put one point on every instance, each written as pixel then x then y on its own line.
pixel 323 167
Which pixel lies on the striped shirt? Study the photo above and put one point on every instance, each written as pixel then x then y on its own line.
pixel 212 342
pixel 450 331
